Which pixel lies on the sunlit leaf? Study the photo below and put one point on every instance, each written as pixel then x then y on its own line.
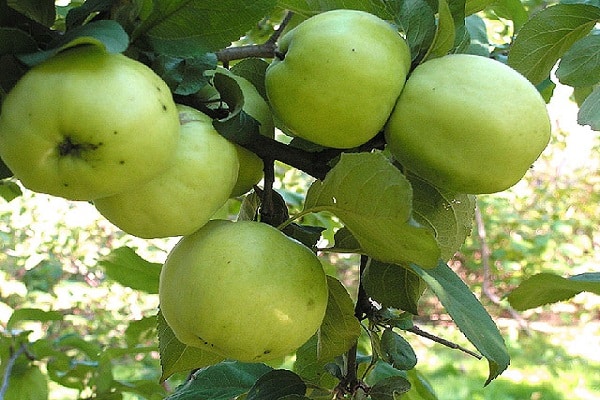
pixel 178 357
pixel 546 288
pixel 449 215
pixel 374 201
pixel 469 315
pixel 125 266
pixel 541 41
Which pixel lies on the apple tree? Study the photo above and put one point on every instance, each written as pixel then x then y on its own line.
pixel 398 112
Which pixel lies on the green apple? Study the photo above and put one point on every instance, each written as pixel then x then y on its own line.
pixel 188 193
pixel 243 290
pixel 251 165
pixel 87 124
pixel 469 124
pixel 337 77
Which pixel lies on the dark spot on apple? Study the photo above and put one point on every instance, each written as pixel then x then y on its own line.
pixel 68 147
pixel 65 184
pixel 115 132
pixel 266 352
pixel 164 107
pixel 310 304
pixel 122 162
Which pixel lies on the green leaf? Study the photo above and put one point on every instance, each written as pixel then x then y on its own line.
pixel 26 382
pixel 16 41
pixel 374 201
pixel 473 6
pixel 253 70
pixel 546 288
pixel 589 112
pixel 176 356
pixel 393 285
pixel 445 34
pixel 340 328
pixel 580 66
pixel 32 314
pixel 542 41
pixel 513 10
pixel 449 215
pixel 9 190
pixel 129 269
pixel 479 43
pixel 416 19
pixel 469 315
pixel 185 76
pixel 106 33
pixel 277 384
pixel 219 23
pixel 222 381
pixel 387 388
pixel 41 11
pixel 397 351
pixel 345 242
pixel 78 15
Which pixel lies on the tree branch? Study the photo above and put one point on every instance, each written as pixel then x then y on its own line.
pixel 266 50
pixel 8 369
pixel 418 331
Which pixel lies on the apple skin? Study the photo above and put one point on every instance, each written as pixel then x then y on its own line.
pixel 339 78
pixel 87 124
pixel 188 193
pixel 468 124
pixel 251 165
pixel 243 290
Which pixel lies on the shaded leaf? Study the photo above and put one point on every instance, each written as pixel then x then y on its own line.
pixel 222 381
pixel 106 33
pixel 541 41
pixel 16 41
pixel 26 382
pixel 386 388
pixel 185 76
pixel 253 70
pixel 125 266
pixel 380 217
pixel 9 190
pixel 397 351
pixel 546 288
pixel 340 328
pixel 469 315
pixel 392 285
pixel 277 384
pixel 580 66
pixel 41 11
pixel 589 112
pixel 178 357
pixel 220 22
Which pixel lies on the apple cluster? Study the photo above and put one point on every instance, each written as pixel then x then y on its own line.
pixel 465 123
pixel 100 127
pixel 94 126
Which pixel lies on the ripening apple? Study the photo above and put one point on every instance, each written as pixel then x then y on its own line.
pixel 187 194
pixel 337 77
pixel 87 124
pixel 469 124
pixel 243 290
pixel 251 165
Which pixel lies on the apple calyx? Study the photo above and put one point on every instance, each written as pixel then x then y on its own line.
pixel 70 148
